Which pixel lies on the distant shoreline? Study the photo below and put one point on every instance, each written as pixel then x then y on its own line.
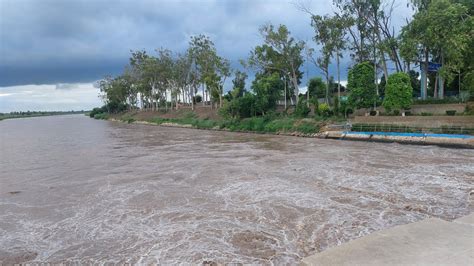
pixel 14 115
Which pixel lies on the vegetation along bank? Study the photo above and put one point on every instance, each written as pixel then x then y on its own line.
pixel 430 60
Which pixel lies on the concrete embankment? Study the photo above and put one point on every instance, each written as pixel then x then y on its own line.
pixel 449 140
pixel 428 242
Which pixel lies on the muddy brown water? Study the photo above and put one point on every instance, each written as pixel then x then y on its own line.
pixel 74 189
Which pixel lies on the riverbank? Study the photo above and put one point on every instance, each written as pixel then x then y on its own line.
pixel 275 124
pixel 289 126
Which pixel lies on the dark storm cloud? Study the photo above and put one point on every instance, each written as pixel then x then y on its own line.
pixel 52 41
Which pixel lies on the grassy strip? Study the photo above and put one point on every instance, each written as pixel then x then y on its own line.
pixel 254 124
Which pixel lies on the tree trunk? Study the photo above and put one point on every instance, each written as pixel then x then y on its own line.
pixel 220 100
pixel 441 79
pixel 203 96
pixel 338 77
pixel 184 96
pixel 294 79
pixel 285 92
pixel 307 96
pixel 327 86
pixel 382 57
pixel 424 88
pixel 192 97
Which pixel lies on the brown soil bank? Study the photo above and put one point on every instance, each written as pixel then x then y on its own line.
pixel 201 112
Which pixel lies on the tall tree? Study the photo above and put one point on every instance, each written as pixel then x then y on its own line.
pixel 440 30
pixel 238 84
pixel 356 12
pixel 324 38
pixel 280 53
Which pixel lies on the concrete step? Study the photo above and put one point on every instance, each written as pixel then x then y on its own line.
pixel 428 242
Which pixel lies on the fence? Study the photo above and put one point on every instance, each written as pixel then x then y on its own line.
pixel 412 129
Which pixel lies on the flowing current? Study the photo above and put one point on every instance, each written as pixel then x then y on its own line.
pixel 78 190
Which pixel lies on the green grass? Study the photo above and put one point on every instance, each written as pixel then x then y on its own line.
pixel 307 127
pixel 253 124
pixel 102 116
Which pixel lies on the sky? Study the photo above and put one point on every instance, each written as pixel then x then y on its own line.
pixel 53 51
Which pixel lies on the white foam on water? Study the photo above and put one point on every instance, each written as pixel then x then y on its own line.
pixel 142 194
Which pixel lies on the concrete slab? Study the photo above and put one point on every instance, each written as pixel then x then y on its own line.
pixel 469 219
pixel 428 242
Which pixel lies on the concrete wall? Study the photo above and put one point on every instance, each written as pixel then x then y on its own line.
pixel 423 121
pixel 435 109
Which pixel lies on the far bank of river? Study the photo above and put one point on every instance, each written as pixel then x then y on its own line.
pixel 302 127
pixel 15 115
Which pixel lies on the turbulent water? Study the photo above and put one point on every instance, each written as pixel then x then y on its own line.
pixel 73 189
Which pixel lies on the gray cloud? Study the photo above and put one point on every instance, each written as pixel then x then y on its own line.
pixel 69 41
pixel 80 96
pixel 57 41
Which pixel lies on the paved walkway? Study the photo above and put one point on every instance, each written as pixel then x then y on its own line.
pixel 428 242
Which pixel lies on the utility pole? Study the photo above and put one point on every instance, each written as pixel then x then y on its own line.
pixel 375 78
pixel 307 75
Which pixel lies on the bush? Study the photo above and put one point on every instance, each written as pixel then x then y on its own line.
pixel 280 125
pixel 426 114
pixel 203 124
pixel 256 124
pixel 307 127
pixel 451 112
pixel 337 106
pixel 101 116
pixel 361 87
pixel 302 109
pixel 97 110
pixel 373 113
pixel 197 99
pixel 398 92
pixel 324 110
pixel 241 107
pixel 469 110
pixel 127 118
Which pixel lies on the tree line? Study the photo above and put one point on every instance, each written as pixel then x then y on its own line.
pixel 383 69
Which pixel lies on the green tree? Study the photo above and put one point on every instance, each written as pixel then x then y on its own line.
pixel 238 83
pixel 280 53
pixel 324 38
pixel 356 14
pixel 415 82
pixel 267 90
pixel 360 85
pixel 317 88
pixel 398 92
pixel 442 29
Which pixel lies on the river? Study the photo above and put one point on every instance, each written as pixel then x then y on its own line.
pixel 78 190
